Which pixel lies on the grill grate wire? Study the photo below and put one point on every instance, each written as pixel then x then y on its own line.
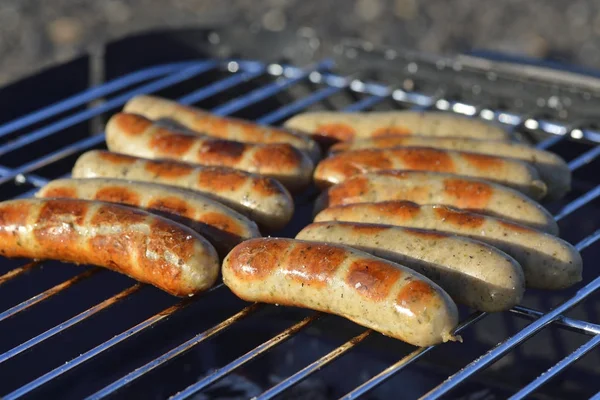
pixel 162 77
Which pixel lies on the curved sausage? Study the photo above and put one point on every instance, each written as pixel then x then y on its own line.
pixel 155 108
pixel 141 245
pixel 471 272
pixel 336 279
pixel 513 173
pixel 341 126
pixel 261 199
pixel 553 170
pixel 439 188
pixel 137 136
pixel 548 262
pixel 223 227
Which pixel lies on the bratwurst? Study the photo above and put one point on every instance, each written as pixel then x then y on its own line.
pixel 144 246
pixel 368 290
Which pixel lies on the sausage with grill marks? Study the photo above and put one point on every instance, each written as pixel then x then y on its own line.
pixel 157 108
pixel 261 199
pixel 223 227
pixel 370 291
pixel 137 136
pixel 512 173
pixel 553 170
pixel 136 243
pixel 471 272
pixel 547 261
pixel 340 126
pixel 424 187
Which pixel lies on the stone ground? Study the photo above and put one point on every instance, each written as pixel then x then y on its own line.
pixel 35 34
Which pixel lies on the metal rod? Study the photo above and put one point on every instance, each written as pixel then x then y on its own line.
pixel 584 158
pixel 557 368
pixel 221 372
pixel 572 324
pixel 47 294
pixel 13 273
pixel 315 366
pixel 404 362
pixel 578 203
pixel 69 365
pixel 69 323
pixel 177 351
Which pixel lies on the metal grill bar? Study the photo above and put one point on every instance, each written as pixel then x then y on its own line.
pixel 570 323
pixel 220 373
pixel 13 273
pixel 70 322
pixel 334 84
pixel 557 368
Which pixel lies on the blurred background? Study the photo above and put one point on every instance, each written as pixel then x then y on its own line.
pixel 35 34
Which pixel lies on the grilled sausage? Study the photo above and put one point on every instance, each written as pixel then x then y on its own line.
pixel 472 273
pixel 553 169
pixel 262 199
pixel 133 242
pixel 339 126
pixel 138 136
pixel 223 227
pixel 336 279
pixel 548 262
pixel 439 188
pixel 513 173
pixel 155 108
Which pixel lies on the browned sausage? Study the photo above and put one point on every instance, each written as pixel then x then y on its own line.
pixel 137 136
pixel 262 199
pixel 213 125
pixel 136 243
pixel 370 291
pixel 223 227
pixel 513 173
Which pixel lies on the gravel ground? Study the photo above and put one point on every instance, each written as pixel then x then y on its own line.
pixel 35 34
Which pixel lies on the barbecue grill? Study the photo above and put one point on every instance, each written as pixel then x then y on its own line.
pixel 80 332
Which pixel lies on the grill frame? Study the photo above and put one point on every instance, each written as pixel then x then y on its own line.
pixel 163 76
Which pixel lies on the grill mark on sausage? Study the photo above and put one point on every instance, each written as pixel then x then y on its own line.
pixel 425 159
pixel 108 214
pixel 339 131
pixel 459 218
pixel 255 263
pixel 131 124
pixel 116 158
pixel 515 227
pixel 391 131
pixel 278 156
pixel 166 237
pixel 483 162
pixel 267 187
pixel 425 234
pixel 118 194
pixel 372 279
pixel 403 210
pixel 369 229
pixel 314 264
pixel 165 142
pixel 55 228
pixel 221 179
pixel 354 187
pixel 415 296
pixel 12 216
pixel 61 192
pixel 221 152
pixel 468 194
pixel 172 204
pixel 222 222
pixel 167 169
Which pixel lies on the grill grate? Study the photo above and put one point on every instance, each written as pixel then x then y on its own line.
pixel 24 177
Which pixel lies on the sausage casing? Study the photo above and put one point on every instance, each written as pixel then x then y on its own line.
pixel 223 227
pixel 342 126
pixel 513 173
pixel 336 279
pixel 138 136
pixel 547 261
pixel 424 187
pixel 144 246
pixel 553 170
pixel 156 108
pixel 471 272
pixel 261 199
